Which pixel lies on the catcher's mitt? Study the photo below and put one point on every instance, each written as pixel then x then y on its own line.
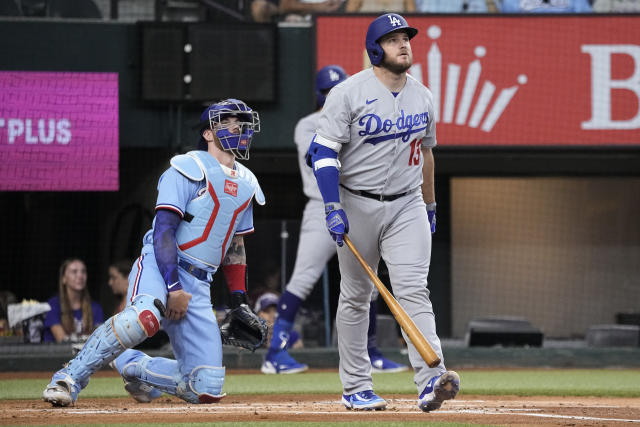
pixel 243 328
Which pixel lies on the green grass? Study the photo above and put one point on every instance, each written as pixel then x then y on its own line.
pixel 522 382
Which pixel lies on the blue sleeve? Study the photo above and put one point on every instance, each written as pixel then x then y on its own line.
pixel 98 314
pixel 165 247
pixel 326 177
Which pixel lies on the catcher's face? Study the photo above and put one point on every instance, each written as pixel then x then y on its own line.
pixel 398 56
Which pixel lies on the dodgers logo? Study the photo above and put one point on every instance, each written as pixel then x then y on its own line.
pixel 403 127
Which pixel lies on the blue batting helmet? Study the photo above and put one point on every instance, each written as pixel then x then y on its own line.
pixel 327 78
pixel 248 123
pixel 382 25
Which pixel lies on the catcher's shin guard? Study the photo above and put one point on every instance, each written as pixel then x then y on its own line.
pixel 202 385
pixel 124 330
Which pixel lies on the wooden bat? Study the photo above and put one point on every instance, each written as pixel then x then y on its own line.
pixel 410 328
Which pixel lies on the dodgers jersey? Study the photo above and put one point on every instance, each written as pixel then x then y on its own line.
pixel 305 129
pixel 379 134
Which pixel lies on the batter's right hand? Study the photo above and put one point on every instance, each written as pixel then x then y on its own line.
pixel 337 222
pixel 177 304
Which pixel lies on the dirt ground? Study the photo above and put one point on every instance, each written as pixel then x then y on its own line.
pixel 472 409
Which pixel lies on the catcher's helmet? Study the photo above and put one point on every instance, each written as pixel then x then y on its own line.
pixel 382 25
pixel 248 122
pixel 327 78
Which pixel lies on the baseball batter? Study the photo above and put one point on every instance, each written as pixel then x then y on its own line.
pixel 204 207
pixel 315 249
pixel 372 160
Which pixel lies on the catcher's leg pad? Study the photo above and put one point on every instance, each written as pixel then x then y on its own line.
pixel 138 321
pixel 202 385
pixel 124 330
pixel 206 383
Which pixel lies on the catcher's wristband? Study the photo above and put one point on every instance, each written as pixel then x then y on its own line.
pixel 236 277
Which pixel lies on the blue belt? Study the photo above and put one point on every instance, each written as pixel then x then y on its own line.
pixel 196 272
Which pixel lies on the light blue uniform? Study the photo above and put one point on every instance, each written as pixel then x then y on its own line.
pixel 215 203
pixel 220 201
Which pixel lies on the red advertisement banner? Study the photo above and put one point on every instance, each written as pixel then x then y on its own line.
pixel 515 80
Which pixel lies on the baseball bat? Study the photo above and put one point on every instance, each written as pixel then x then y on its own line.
pixel 410 328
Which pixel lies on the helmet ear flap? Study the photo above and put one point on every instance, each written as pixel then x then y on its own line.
pixel 376 54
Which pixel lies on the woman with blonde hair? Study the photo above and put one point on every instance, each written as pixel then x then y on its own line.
pixel 73 314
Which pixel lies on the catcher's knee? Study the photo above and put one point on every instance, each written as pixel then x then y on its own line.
pixel 137 322
pixel 204 385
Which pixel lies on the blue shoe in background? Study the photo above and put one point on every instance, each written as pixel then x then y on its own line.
pixel 281 363
pixel 381 365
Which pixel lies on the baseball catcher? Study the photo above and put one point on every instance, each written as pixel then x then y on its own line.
pixel 242 327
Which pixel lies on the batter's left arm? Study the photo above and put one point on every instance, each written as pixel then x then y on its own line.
pixel 428 186
pixel 428 168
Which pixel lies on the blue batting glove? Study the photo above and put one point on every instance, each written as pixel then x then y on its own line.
pixel 431 214
pixel 337 222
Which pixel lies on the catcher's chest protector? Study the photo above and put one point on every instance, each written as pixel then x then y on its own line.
pixel 211 218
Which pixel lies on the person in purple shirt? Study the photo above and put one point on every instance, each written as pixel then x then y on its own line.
pixel 73 314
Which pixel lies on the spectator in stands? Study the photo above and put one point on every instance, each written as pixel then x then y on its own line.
pixel 456 6
pixel 616 6
pixel 119 282
pixel 73 314
pixel 545 6
pixel 381 6
pixel 291 10
pixel 264 10
pixel 266 307
pixel 6 298
pixel 302 10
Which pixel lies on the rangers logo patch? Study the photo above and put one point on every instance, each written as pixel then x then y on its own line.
pixel 231 188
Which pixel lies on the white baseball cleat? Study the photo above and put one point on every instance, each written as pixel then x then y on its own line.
pixel 439 388
pixel 60 392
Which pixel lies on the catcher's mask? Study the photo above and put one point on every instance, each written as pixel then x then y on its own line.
pixel 248 123
pixel 383 25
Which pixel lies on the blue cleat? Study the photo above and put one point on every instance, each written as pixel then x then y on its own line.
pixel 62 390
pixel 282 363
pixel 439 388
pixel 381 365
pixel 364 401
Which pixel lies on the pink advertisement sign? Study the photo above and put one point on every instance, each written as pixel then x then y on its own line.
pixel 58 131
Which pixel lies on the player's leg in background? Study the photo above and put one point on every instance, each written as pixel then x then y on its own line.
pixel 197 374
pixel 315 249
pixel 406 249
pixel 138 321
